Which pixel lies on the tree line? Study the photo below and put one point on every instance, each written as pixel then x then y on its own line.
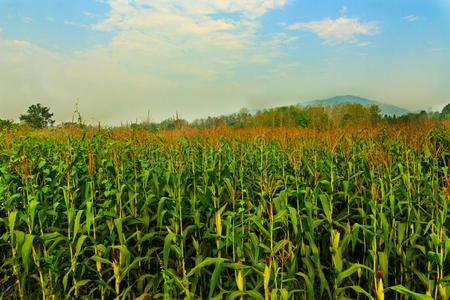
pixel 36 117
pixel 314 116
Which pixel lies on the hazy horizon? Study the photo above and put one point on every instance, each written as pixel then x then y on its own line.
pixel 122 58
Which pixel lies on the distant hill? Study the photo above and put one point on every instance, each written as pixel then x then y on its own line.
pixel 386 109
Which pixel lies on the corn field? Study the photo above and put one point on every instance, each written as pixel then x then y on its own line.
pixel 281 213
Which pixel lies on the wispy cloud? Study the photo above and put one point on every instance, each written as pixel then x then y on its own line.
pixel 343 10
pixel 27 19
pixel 6 43
pixel 338 31
pixel 20 43
pixel 411 18
pixel 72 23
pixel 259 59
pixel 89 14
pixel 280 39
pixel 363 44
pixel 283 71
pixel 213 22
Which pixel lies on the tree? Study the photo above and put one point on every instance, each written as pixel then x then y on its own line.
pixel 5 124
pixel 445 114
pixel 37 116
pixel 317 116
pixel 244 116
pixel 374 113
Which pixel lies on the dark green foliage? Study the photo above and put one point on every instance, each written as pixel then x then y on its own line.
pixel 38 116
pixel 445 114
pixel 6 124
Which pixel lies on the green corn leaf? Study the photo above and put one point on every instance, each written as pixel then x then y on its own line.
pixel 284 294
pixel 19 239
pixel 177 279
pixel 33 206
pixel 167 242
pixel 88 216
pixel 293 216
pixel 66 278
pixel 12 222
pixel 206 262
pixel 77 285
pixel 101 260
pixel 308 283
pixel 383 262
pixel 145 296
pixel 132 265
pixel 357 289
pixel 215 278
pixel 26 250
pixel 76 226
pixel 402 290
pixel 325 206
pixel 344 274
pixel 118 224
pixel 252 295
pixel 447 248
pixel 79 245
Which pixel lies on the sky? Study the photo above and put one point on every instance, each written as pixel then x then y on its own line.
pixel 122 60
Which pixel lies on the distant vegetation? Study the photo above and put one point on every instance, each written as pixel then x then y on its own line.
pixel 386 109
pixel 445 114
pixel 38 116
pixel 318 116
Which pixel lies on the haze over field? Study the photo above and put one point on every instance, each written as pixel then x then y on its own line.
pixel 122 58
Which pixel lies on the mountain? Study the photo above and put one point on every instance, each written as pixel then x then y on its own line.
pixel 386 109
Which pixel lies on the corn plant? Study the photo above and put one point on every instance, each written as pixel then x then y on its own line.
pixel 273 213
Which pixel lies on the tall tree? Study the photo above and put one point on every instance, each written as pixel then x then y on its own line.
pixel 374 113
pixel 38 116
pixel 445 114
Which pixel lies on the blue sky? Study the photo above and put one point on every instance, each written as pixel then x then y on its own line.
pixel 120 59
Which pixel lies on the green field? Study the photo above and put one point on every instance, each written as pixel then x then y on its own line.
pixel 283 213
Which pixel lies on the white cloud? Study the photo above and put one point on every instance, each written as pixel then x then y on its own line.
pixel 50 19
pixel 20 43
pixel 343 10
pixel 260 59
pixel 71 23
pixel 338 31
pixel 363 44
pixel 8 44
pixel 27 19
pixel 411 18
pixel 229 24
pixel 281 71
pixel 89 14
pixel 294 65
pixel 280 39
